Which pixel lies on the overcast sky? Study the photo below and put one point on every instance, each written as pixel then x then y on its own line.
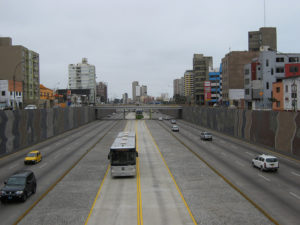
pixel 152 42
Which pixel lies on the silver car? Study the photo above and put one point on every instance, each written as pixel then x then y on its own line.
pixel 206 136
pixel 175 128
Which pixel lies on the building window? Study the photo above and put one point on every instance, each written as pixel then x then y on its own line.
pixel 272 71
pixel 279 70
pixel 267 85
pixel 293 69
pixel 247 81
pixel 267 63
pixel 277 104
pixel 3 93
pixel 277 89
pixel 286 88
pixel 246 71
pixel 280 59
pixel 293 59
pixel 247 91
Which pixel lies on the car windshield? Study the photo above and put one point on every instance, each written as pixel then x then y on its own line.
pixel 15 181
pixel 271 160
pixel 31 154
pixel 122 157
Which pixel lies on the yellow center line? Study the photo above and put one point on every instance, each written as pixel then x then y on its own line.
pixel 98 193
pixel 138 184
pixel 181 195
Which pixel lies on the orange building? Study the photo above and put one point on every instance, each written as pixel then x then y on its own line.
pixel 278 91
pixel 46 93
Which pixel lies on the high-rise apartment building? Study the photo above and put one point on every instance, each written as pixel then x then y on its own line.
pixel 143 91
pixel 101 92
pixel 266 36
pixel 125 98
pixel 178 87
pixel 20 64
pixel 233 75
pixel 215 79
pixel 83 76
pixel 134 85
pixel 201 65
pixel 189 83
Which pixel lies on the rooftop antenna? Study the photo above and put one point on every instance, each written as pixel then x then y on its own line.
pixel 264 13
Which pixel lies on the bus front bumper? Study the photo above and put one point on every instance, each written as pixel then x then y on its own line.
pixel 123 171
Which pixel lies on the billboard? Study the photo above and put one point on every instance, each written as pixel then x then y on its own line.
pixel 207 91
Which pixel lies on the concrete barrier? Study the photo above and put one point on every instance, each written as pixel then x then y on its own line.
pixel 279 131
pixel 23 128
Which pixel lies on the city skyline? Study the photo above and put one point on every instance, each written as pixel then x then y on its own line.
pixel 151 42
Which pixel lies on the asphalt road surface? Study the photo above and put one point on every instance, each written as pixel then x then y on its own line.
pixel 176 180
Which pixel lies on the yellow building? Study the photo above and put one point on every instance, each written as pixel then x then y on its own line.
pixel 188 83
pixel 46 93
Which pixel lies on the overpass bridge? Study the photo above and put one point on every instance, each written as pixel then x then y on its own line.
pixel 103 111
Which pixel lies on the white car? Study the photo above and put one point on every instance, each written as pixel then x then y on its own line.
pixel 266 162
pixel 160 118
pixel 173 121
pixel 175 128
pixel 206 136
pixel 30 107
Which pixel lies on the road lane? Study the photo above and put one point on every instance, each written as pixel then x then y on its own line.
pixel 211 200
pixel 159 192
pixel 269 190
pixel 47 171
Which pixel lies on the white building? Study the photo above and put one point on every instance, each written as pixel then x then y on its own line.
pixel 261 73
pixel 11 93
pixel 83 76
pixel 143 90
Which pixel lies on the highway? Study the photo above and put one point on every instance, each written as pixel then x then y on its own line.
pixel 181 179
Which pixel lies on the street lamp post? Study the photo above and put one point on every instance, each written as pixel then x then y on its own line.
pixel 294 96
pixel 14 79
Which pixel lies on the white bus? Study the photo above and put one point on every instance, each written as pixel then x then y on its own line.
pixel 122 155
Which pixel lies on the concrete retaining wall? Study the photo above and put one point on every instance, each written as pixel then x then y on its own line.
pixel 22 128
pixel 279 131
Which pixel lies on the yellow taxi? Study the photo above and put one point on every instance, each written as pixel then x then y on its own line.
pixel 33 157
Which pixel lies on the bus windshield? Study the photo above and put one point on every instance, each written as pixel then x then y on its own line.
pixel 122 158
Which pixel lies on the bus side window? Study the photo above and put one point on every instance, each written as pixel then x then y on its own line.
pixel 137 154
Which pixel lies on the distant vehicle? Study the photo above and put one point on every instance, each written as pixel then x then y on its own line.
pixel 30 107
pixel 173 121
pixel 139 114
pixel 175 128
pixel 122 155
pixel 160 118
pixel 206 136
pixel 167 118
pixel 19 186
pixel 266 162
pixel 33 157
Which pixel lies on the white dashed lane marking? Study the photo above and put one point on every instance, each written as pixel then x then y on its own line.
pixel 249 153
pixel 12 167
pixel 294 195
pixel 296 174
pixel 267 179
pixel 43 165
